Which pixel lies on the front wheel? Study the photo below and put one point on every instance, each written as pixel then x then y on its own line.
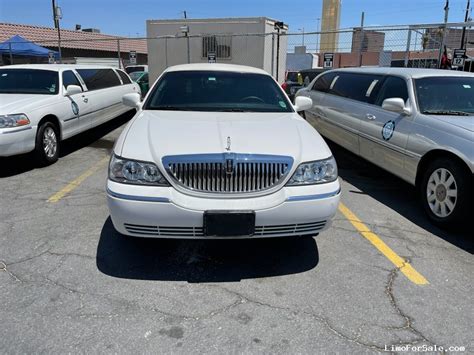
pixel 445 192
pixel 47 143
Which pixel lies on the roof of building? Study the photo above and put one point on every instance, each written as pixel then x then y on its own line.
pixel 216 67
pixel 48 36
pixel 407 72
pixel 56 67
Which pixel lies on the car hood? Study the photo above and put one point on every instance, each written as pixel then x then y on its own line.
pixel 155 134
pixel 21 103
pixel 466 122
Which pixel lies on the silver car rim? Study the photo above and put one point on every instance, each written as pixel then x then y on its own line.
pixel 50 143
pixel 442 192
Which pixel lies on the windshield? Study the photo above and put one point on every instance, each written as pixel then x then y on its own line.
pixel 136 75
pixel 292 76
pixel 28 81
pixel 445 95
pixel 217 91
pixel 134 69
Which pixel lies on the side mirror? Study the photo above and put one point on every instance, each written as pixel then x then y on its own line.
pixel 303 103
pixel 396 104
pixel 131 100
pixel 73 90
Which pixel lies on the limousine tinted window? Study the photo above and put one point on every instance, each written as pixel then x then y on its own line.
pixel 69 78
pixel 28 81
pixel 360 87
pixel 322 84
pixel 393 87
pixel 96 79
pixel 124 77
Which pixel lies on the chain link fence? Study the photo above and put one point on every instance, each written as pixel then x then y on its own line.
pixel 400 46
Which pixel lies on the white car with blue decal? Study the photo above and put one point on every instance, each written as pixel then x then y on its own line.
pixel 40 105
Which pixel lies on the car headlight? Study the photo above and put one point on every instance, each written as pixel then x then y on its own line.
pixel 16 120
pixel 135 172
pixel 314 172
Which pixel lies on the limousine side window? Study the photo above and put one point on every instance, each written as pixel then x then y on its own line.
pixel 323 82
pixel 96 79
pixel 393 87
pixel 69 78
pixel 359 87
pixel 124 77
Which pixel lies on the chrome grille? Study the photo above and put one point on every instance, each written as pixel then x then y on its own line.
pixel 164 231
pixel 290 229
pixel 228 172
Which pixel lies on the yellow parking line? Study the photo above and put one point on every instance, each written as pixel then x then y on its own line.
pixel 403 265
pixel 76 182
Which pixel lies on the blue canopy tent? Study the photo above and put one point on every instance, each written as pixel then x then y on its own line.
pixel 17 45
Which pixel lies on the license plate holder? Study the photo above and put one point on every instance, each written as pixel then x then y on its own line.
pixel 229 223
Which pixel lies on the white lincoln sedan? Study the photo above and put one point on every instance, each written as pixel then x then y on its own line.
pixel 218 151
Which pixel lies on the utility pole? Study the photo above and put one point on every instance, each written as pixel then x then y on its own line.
pixel 57 16
pixel 361 38
pixel 441 48
pixel 317 35
pixel 466 18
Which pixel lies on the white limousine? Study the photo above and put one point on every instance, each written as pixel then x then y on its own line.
pixel 40 105
pixel 219 151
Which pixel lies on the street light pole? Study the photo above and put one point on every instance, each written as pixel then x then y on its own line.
pixel 56 17
pixel 466 18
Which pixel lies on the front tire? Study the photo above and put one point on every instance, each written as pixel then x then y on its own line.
pixel 47 143
pixel 445 192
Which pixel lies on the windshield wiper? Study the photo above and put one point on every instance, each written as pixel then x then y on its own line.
pixel 231 110
pixel 447 113
pixel 170 108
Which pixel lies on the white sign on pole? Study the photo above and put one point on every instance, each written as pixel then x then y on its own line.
pixel 51 57
pixel 211 57
pixel 133 57
pixel 328 60
pixel 459 58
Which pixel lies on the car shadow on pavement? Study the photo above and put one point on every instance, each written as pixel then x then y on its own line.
pixel 23 163
pixel 197 261
pixel 392 192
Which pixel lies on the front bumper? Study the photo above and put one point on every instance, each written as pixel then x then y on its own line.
pixel 15 141
pixel 163 212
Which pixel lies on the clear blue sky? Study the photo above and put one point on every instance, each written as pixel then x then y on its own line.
pixel 127 17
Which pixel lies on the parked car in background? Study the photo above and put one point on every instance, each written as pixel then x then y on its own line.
pixel 41 105
pixel 132 68
pixel 292 80
pixel 218 151
pixel 141 78
pixel 416 123
pixel 297 80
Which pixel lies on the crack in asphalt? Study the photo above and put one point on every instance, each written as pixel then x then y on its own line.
pixel 3 267
pixel 408 321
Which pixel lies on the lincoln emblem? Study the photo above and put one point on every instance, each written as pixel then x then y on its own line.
pixel 228 144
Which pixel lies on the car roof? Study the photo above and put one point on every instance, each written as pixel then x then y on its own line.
pixel 56 67
pixel 216 67
pixel 407 72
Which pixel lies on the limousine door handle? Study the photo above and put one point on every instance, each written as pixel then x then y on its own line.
pixel 370 117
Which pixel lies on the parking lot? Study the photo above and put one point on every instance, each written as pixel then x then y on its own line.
pixel 381 276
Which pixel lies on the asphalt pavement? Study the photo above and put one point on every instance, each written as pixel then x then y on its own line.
pixel 70 283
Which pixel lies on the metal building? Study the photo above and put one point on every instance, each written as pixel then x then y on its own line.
pixel 246 41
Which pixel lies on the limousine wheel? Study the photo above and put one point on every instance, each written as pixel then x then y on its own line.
pixel 47 144
pixel 445 190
